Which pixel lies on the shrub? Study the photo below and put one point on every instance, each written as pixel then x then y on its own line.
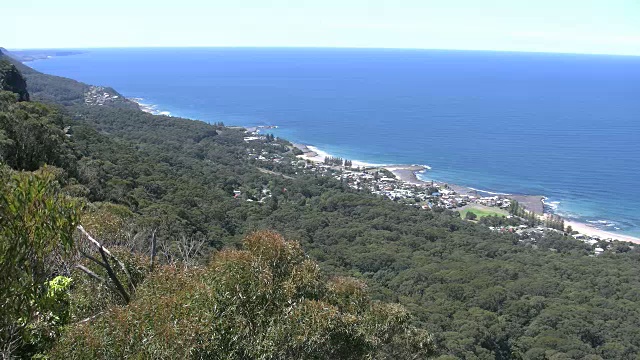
pixel 35 234
pixel 268 301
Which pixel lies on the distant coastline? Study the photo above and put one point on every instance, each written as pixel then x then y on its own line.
pixel 33 55
pixel 410 174
pixel 412 108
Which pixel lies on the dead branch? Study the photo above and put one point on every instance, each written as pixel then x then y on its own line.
pixel 90 318
pixel 96 277
pixel 93 259
pixel 102 248
pixel 153 249
pixel 114 277
pixel 106 254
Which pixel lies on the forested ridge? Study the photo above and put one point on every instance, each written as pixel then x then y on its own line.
pixel 136 178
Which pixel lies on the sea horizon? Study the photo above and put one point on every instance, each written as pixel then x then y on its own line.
pixel 611 212
pixel 223 47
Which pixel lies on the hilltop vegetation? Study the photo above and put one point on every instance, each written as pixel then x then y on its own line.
pixel 140 177
pixel 267 301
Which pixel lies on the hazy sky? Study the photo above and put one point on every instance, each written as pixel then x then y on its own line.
pixel 581 26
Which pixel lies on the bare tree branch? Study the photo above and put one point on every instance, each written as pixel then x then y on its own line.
pixel 96 277
pixel 93 259
pixel 189 247
pixel 153 249
pixel 114 277
pixel 104 252
pixel 102 248
pixel 90 318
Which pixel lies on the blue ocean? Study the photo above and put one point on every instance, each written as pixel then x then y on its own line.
pixel 559 125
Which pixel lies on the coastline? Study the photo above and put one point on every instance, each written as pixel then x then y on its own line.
pixel 409 174
pixel 613 207
pixel 148 108
pixel 314 154
pixel 587 229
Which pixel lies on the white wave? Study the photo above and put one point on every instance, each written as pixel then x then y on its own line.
pixel 149 108
pixel 602 223
pixel 599 221
pixel 553 205
pixel 489 192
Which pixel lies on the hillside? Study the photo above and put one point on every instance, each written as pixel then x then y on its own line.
pixel 58 90
pixel 199 188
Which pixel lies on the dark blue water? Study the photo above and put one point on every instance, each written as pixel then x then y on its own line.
pixel 564 126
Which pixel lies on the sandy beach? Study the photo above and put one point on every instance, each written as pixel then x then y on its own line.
pixel 587 229
pixel 314 154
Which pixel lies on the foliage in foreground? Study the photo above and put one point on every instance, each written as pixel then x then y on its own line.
pixel 35 233
pixel 268 301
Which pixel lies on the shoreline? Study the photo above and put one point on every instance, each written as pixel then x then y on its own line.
pixel 148 108
pixel 314 154
pixel 586 229
pixel 409 174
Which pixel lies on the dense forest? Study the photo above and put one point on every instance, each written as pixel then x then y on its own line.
pixel 370 278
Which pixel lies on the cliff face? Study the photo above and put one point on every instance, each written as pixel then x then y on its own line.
pixel 12 80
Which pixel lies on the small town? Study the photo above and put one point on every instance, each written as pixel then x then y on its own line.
pixel 99 95
pixel 384 181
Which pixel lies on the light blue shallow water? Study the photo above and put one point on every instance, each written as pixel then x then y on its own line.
pixel 564 126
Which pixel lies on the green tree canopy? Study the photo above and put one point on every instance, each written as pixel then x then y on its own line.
pixel 32 135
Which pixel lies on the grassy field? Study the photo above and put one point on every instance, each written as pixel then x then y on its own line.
pixel 482 211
